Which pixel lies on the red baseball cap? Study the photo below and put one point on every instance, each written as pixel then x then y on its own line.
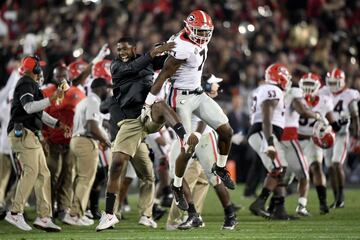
pixel 28 63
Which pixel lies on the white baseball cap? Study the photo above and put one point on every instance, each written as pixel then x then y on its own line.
pixel 214 79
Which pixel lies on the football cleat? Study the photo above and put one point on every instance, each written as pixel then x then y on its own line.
pixel 224 175
pixel 229 222
pixel 302 211
pixel 279 213
pixel 157 212
pixel 338 204
pixel 180 200
pixel 193 221
pixel 258 208
pixel 324 209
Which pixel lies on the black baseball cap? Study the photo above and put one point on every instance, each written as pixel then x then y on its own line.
pixel 100 82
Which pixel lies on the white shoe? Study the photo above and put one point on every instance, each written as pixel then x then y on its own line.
pixel 147 221
pixel 89 214
pixel 302 211
pixel 87 221
pixel 126 208
pixel 171 227
pixel 46 224
pixel 18 221
pixel 76 221
pixel 107 221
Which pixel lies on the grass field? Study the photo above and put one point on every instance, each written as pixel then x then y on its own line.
pixel 339 224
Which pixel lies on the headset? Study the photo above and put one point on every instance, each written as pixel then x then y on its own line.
pixel 37 68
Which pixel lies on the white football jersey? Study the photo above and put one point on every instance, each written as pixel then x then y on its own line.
pixel 268 92
pixel 188 76
pixel 324 105
pixel 341 104
pixel 292 116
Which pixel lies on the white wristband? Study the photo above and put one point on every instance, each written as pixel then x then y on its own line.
pixel 197 134
pixel 150 99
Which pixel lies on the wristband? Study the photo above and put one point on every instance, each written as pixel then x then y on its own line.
pixel 150 99
pixel 270 141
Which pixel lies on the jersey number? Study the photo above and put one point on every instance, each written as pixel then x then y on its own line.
pixel 202 53
pixel 339 106
pixel 271 94
pixel 253 107
pixel 305 121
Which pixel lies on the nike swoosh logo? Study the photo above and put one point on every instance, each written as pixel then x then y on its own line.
pixel 176 202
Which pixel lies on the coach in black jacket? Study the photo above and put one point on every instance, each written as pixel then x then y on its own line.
pixel 132 76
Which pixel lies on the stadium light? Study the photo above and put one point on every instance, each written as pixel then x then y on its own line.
pixel 77 52
pixel 250 28
pixel 242 29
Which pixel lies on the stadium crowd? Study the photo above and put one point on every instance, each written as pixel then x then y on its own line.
pixel 306 36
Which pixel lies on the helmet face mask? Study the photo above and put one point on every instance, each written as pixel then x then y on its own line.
pixel 310 84
pixel 199 27
pixel 335 80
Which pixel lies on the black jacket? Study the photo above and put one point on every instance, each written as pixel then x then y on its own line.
pixel 26 90
pixel 132 82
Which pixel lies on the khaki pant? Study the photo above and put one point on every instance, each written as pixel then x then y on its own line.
pixel 61 164
pixel 86 154
pixel 144 170
pixel 131 134
pixel 35 174
pixel 5 171
pixel 199 186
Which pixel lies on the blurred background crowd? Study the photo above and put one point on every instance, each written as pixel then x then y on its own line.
pixel 249 35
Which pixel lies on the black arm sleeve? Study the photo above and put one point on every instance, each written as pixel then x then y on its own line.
pixel 119 69
pixel 335 126
pixel 158 62
pixel 26 93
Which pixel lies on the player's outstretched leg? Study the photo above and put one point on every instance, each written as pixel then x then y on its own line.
pixel 225 133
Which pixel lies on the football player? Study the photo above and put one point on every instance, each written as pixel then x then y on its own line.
pixel 184 68
pixel 310 84
pixel 345 110
pixel 297 163
pixel 268 120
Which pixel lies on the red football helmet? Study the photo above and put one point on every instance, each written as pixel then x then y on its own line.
pixel 75 68
pixel 310 83
pixel 102 70
pixel 278 74
pixel 335 80
pixel 199 27
pixel 323 135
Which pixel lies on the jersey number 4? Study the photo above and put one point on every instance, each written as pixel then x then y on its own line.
pixel 339 106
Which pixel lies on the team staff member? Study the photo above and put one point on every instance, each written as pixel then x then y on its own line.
pixel 24 134
pixel 87 129
pixel 60 160
pixel 132 76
